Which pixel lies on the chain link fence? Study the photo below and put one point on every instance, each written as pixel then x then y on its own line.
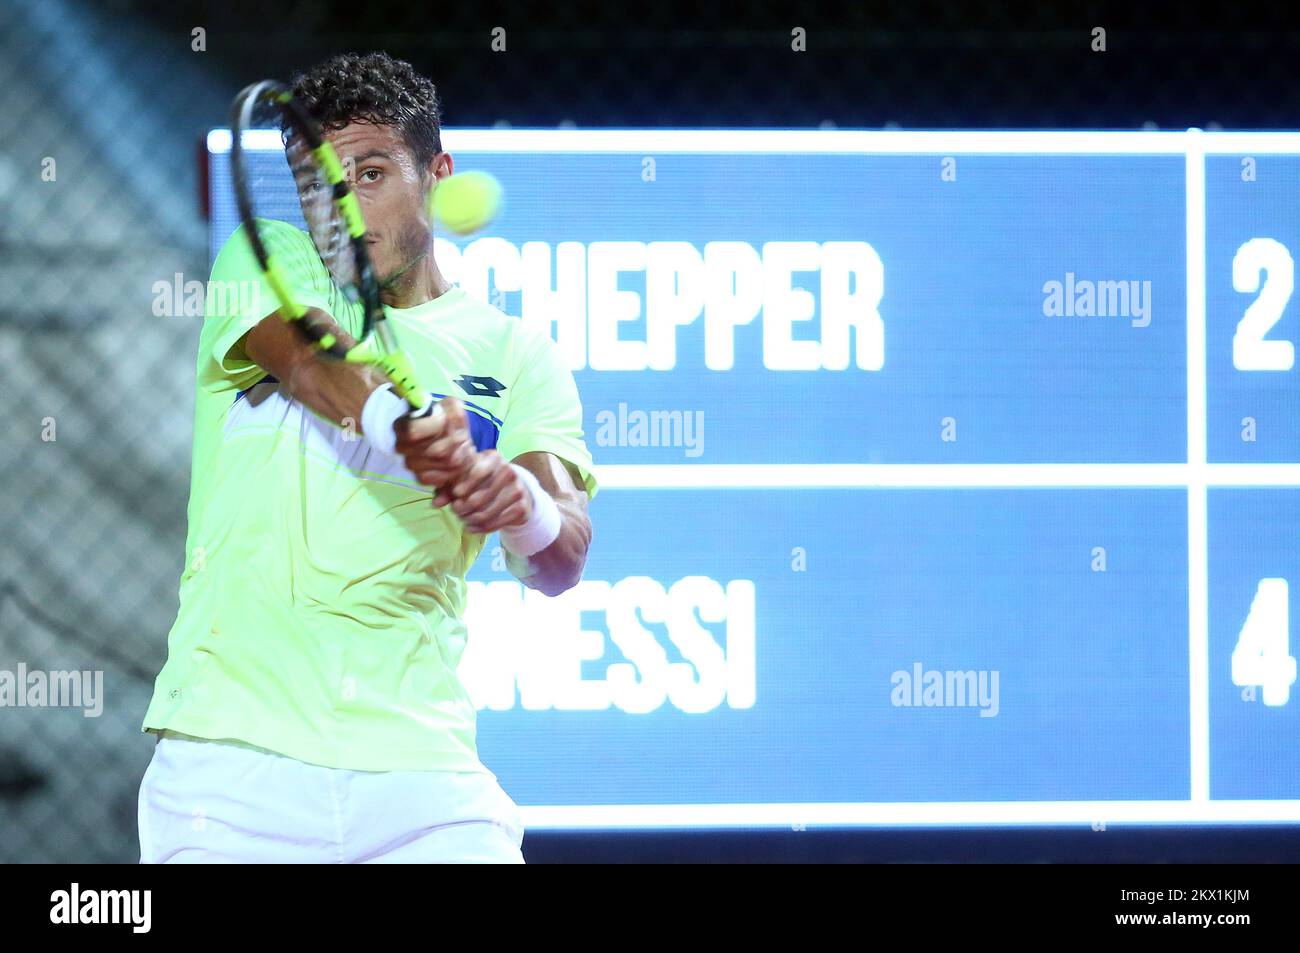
pixel 101 228
pixel 97 212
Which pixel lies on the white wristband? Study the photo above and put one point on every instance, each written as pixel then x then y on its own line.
pixel 542 527
pixel 382 409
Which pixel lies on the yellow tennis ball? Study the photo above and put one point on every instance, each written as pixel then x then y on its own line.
pixel 466 201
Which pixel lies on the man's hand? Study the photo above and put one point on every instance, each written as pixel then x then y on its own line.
pixel 489 495
pixel 482 488
pixel 438 449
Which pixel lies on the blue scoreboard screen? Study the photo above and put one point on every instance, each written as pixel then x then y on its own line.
pixel 947 478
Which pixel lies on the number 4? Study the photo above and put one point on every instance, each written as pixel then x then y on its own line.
pixel 1261 656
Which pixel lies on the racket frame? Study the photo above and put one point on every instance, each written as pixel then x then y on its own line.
pixel 376 345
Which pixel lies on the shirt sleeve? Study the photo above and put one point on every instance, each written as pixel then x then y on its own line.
pixel 238 298
pixel 545 412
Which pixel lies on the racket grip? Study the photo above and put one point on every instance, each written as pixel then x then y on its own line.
pixel 383 408
pixel 428 409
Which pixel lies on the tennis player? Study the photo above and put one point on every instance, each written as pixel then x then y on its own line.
pixel 309 709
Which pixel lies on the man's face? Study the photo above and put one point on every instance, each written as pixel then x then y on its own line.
pixel 393 192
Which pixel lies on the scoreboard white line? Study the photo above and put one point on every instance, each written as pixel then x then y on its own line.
pixel 767 141
pixel 835 141
pixel 931 814
pixel 732 476
pixel 1198 519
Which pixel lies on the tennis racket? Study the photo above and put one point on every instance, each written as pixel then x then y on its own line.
pixel 309 177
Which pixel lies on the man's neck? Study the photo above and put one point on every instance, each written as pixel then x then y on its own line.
pixel 421 282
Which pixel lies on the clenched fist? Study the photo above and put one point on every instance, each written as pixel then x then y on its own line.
pixel 489 495
pixel 436 448
pixel 483 489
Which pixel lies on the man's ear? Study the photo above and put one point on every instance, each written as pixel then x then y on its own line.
pixel 441 165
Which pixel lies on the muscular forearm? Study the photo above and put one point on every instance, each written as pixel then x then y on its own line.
pixel 334 390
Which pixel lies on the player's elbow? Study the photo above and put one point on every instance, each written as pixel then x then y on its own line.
pixel 560 565
pixel 555 584
pixel 560 576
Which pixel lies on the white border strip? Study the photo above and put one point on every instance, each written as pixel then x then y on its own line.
pixel 1198 530
pixel 728 476
pixel 1240 143
pixel 929 814
pixel 834 141
pixel 811 141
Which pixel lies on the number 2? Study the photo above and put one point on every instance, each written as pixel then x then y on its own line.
pixel 1250 352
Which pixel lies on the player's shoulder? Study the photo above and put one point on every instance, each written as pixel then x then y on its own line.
pixel 275 234
pixel 279 239
pixel 509 333
pixel 528 340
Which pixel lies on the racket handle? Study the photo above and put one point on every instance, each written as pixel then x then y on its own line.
pixel 398 369
pixel 428 409
pixel 383 408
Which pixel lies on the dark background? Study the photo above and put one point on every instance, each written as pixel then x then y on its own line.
pixel 920 64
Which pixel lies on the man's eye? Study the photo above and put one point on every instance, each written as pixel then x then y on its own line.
pixel 372 172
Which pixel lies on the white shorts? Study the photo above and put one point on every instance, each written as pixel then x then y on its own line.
pixel 213 802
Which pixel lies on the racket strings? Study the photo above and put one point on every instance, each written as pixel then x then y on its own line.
pixel 325 224
pixel 315 194
pixel 290 186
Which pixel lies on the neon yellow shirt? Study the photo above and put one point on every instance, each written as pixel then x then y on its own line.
pixel 321 604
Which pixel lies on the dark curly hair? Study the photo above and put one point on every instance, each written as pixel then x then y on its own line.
pixel 374 88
